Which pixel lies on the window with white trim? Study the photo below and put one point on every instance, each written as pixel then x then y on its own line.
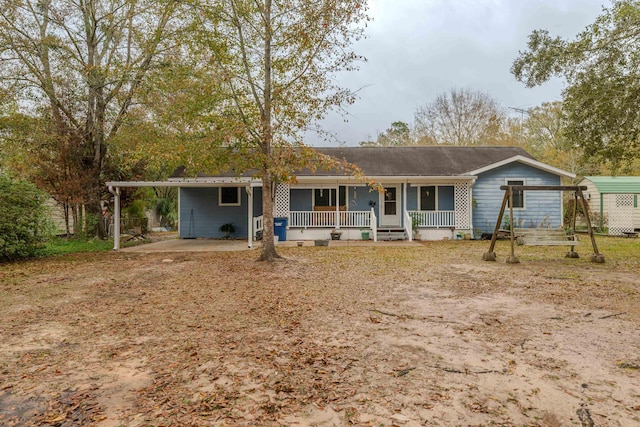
pixel 518 195
pixel 229 196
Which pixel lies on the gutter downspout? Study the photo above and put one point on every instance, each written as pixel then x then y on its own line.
pixel 601 211
pixel 470 201
pixel 116 217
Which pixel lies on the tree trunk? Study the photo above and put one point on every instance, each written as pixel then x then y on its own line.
pixel 67 229
pixel 268 246
pixel 268 190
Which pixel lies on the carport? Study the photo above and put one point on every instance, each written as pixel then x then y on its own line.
pixel 248 183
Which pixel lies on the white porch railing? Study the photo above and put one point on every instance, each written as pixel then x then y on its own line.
pixel 408 225
pixel 258 224
pixel 374 225
pixel 322 219
pixel 434 219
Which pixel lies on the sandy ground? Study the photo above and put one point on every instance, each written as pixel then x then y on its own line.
pixel 376 336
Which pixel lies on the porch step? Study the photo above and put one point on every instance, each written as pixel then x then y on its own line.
pixel 392 234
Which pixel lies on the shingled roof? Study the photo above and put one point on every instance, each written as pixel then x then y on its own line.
pixel 421 161
pixel 412 161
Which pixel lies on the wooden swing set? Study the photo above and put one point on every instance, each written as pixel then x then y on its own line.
pixel 542 236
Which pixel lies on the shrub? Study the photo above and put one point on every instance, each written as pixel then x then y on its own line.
pixel 24 219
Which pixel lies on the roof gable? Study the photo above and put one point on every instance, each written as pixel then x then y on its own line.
pixel 527 161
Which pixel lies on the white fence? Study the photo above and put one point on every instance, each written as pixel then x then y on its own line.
pixel 408 225
pixel 323 219
pixel 258 224
pixel 434 219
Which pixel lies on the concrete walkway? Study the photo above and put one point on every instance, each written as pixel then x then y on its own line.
pixel 191 245
pixel 213 245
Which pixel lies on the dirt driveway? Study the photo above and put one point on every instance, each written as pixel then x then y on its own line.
pixel 377 336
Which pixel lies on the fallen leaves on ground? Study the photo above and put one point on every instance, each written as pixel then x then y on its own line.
pixel 328 336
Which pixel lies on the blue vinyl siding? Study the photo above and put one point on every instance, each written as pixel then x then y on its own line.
pixel 412 197
pixel 359 199
pixel 257 201
pixel 208 216
pixel 446 198
pixel 539 205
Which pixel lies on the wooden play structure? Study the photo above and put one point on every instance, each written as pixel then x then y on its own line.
pixel 542 236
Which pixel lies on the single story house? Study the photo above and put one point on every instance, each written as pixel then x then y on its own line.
pixel 614 200
pixel 441 191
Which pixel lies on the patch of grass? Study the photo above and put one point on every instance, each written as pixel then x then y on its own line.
pixel 64 245
pixel 70 245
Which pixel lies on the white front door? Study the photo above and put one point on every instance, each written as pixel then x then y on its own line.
pixel 390 206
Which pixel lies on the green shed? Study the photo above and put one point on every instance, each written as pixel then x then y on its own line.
pixel 615 199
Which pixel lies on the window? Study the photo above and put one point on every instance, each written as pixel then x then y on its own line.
pixel 229 196
pixel 390 201
pixel 436 198
pixel 518 196
pixel 327 196
pixel 428 198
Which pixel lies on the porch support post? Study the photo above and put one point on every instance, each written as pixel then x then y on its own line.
pixel 405 213
pixel 337 222
pixel 470 208
pixel 250 216
pixel 513 259
pixel 116 217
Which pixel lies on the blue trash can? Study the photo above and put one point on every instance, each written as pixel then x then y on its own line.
pixel 280 228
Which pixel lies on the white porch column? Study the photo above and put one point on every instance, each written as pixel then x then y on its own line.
pixel 116 217
pixel 405 211
pixel 337 224
pixel 250 215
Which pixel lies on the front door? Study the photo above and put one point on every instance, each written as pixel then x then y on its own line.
pixel 390 207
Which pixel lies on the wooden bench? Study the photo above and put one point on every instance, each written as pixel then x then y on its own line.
pixel 328 208
pixel 544 237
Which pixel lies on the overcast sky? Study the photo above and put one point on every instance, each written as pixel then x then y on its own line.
pixel 417 49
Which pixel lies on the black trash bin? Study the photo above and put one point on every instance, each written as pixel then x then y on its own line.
pixel 280 228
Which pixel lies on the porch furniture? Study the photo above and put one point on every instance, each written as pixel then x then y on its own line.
pixel 539 238
pixel 328 208
pixel 545 237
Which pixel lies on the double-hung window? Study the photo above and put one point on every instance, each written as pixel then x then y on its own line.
pixel 518 195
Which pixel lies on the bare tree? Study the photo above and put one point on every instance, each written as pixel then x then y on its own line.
pixel 459 117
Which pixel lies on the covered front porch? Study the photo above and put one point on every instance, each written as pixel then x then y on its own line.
pixel 430 208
